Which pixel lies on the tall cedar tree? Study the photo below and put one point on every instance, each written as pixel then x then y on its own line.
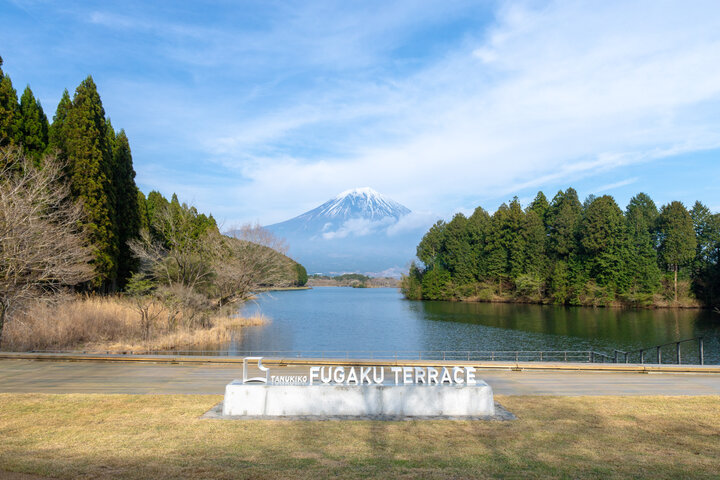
pixel 456 252
pixel 643 270
pixel 602 237
pixel 57 136
pixel 540 206
pixel 127 211
pixel 563 219
pixel 33 126
pixel 90 166
pixel 677 238
pixel 429 247
pixel 9 111
pixel 706 265
pixel 578 248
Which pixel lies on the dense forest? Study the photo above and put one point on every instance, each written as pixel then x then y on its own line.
pixel 572 253
pixel 74 177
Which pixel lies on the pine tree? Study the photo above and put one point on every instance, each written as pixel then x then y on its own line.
pixel 56 136
pixel 33 125
pixel 533 235
pixel 563 219
pixel 143 211
pixel 643 270
pixel 707 253
pixel 456 253
pixel 127 209
pixel 478 225
pixel 540 206
pixel 9 111
pixel 602 237
pixel 90 167
pixel 429 247
pixel 677 238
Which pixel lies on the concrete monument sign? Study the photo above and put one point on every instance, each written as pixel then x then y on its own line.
pixel 360 391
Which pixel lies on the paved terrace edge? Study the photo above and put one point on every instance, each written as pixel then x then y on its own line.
pixel 278 361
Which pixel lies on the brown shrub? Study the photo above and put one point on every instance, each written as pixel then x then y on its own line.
pixel 99 324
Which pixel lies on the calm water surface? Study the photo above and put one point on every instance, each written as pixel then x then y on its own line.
pixel 332 319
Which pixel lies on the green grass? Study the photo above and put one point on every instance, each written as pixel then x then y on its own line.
pixel 162 436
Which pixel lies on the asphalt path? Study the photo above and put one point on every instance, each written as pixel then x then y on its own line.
pixel 32 376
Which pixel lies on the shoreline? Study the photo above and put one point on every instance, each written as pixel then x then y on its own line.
pixel 617 305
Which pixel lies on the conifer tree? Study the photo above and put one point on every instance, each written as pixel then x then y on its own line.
pixel 563 219
pixel 9 111
pixel 456 253
pixel 56 136
pixel 127 211
pixel 707 254
pixel 143 211
pixel 90 166
pixel 602 237
pixel 540 206
pixel 33 125
pixel 641 218
pixel 677 238
pixel 478 226
pixel 533 235
pixel 429 247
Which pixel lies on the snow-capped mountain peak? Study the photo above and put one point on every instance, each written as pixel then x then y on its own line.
pixel 350 233
pixel 358 203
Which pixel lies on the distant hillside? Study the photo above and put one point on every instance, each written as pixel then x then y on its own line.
pixel 352 280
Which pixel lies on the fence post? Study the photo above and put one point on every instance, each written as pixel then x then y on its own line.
pixel 677 350
pixel 517 355
pixel 700 349
pixel 592 356
pixel 642 356
pixel 541 355
pixel 616 357
pixel 659 355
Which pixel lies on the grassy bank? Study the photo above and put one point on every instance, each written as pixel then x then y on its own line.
pixel 147 436
pixel 115 324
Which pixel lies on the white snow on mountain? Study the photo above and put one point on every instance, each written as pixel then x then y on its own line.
pixel 360 230
pixel 359 202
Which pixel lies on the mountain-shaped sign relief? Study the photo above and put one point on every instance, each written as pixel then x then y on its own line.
pixel 360 230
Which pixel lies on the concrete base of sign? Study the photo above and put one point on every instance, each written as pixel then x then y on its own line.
pixel 263 400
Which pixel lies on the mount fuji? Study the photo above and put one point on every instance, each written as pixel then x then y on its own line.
pixel 359 230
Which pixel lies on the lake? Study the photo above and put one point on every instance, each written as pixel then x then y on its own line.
pixel 336 321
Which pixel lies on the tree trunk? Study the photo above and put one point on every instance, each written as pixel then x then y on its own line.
pixel 676 270
pixel 3 309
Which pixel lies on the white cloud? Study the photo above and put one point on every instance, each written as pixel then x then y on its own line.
pixel 556 93
pixel 614 185
pixel 358 227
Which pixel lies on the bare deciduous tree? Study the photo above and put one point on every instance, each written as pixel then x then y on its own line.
pixel 252 258
pixel 224 269
pixel 42 247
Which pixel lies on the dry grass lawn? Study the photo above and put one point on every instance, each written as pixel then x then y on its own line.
pixel 149 436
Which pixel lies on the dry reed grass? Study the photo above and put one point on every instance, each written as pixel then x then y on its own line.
pixel 113 324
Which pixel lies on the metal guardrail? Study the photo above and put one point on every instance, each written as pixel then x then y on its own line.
pixel 460 355
pixel 648 355
pixel 640 354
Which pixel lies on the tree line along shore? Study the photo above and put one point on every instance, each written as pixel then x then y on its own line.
pixel 571 253
pixel 79 237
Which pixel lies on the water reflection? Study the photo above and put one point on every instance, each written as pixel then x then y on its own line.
pixel 341 320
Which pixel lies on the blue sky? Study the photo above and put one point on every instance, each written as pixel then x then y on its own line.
pixel 258 111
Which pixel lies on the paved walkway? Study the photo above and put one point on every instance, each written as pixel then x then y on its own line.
pixel 30 376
